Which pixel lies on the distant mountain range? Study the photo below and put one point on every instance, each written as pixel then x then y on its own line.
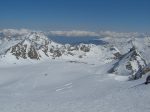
pixel 21 46
pixel 36 45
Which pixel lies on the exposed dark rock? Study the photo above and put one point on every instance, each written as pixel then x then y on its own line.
pixel 130 64
pixel 70 53
pixel 19 51
pixel 80 56
pixel 33 53
pixel 147 79
pixel 45 50
pixel 57 53
pixel 84 48
pixel 146 69
pixel 117 55
pixel 22 50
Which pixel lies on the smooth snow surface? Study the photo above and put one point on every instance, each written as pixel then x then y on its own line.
pixel 61 86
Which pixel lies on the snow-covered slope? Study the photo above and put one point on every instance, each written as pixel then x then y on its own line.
pixel 40 75
pixel 60 86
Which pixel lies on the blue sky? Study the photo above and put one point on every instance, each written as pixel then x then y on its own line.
pixel 95 15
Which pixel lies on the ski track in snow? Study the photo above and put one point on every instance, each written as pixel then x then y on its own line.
pixel 66 86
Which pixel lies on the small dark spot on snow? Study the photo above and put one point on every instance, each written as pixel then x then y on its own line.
pixel 45 74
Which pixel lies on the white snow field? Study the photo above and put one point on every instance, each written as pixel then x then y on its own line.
pixel 39 75
pixel 61 86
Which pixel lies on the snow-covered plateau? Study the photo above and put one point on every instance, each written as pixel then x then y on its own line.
pixel 40 75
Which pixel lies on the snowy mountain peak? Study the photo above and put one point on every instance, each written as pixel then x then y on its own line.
pixel 26 42
pixel 38 38
pixel 24 49
pixel 129 64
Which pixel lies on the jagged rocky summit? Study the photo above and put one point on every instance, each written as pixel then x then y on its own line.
pixel 130 64
pixel 36 45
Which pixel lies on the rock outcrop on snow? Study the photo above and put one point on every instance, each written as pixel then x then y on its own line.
pixel 36 45
pixel 24 50
pixel 16 45
pixel 130 64
pixel 24 45
pixel 29 47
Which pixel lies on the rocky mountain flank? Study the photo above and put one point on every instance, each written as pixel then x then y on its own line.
pixel 130 64
pixel 37 45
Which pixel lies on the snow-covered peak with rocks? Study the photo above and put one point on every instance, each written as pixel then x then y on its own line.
pixel 36 46
pixel 38 74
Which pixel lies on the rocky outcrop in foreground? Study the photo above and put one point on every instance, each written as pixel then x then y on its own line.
pixel 130 64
